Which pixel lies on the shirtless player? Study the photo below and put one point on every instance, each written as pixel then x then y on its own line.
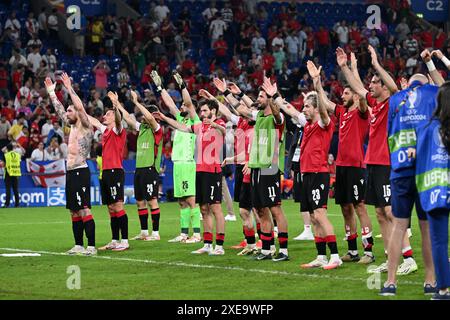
pixel 78 177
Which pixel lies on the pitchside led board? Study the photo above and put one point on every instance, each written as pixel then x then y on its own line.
pixel 89 7
pixel 431 10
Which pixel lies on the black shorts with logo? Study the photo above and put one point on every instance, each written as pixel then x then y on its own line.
pixel 112 186
pixel 208 188
pixel 238 178
pixel 378 186
pixel 146 183
pixel 314 191
pixel 245 200
pixel 78 189
pixel 297 186
pixel 350 185
pixel 265 188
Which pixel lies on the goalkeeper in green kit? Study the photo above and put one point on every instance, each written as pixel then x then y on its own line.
pixel 183 160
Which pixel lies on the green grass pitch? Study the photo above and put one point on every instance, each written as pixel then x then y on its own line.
pixel 162 270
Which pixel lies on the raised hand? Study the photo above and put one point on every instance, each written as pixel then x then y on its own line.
pixel 269 87
pixel 221 85
pixel 246 170
pixel 312 69
pixel 134 96
pixel 159 116
pixel 425 55
pixel 205 94
pixel 178 79
pixel 341 57
pixel 49 85
pixel 437 53
pixel 66 80
pixel 373 55
pixel 234 89
pixel 353 61
pixel 156 78
pixel 113 97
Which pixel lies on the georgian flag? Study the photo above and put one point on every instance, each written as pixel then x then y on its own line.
pixel 52 174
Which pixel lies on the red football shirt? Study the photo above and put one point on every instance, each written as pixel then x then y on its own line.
pixel 209 147
pixel 353 128
pixel 242 140
pixel 378 150
pixel 315 146
pixel 113 144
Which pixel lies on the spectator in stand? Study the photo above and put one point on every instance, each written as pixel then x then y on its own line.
pixel 278 41
pixel 53 151
pixel 17 59
pixel 342 33
pixel 123 78
pixel 16 128
pixel 5 126
pixel 390 48
pixel 31 25
pixel 374 41
pixel 34 41
pixel 42 19
pixel 216 28
pixel 55 132
pixel 95 102
pixel 293 48
pixel 24 91
pixel 402 31
pixel 42 72
pixel 8 111
pixel 13 23
pixel 227 14
pixel 101 71
pixel 439 40
pixel 4 91
pixel 355 33
pixel 323 43
pixel 209 13
pixel 109 30
pixel 258 44
pixel 52 23
pixel 302 37
pixel 220 47
pixel 50 59
pixel 280 58
pixel 132 143
pixel 25 108
pixel 412 45
pixel 97 32
pixel 39 154
pixel 46 129
pixel 411 64
pixel 161 12
pixel 34 59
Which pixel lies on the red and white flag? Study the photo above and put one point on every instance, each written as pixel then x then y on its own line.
pixel 52 174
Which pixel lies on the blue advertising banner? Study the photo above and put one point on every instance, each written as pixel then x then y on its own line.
pixel 89 7
pixel 432 10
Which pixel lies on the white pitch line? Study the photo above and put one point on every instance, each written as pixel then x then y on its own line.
pixel 203 266
pixel 96 220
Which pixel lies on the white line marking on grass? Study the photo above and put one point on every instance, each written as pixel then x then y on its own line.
pixel 204 266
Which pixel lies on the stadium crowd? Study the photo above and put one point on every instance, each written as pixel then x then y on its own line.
pixel 242 41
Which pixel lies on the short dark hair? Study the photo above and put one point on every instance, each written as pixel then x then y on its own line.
pixel 151 108
pixel 212 104
pixel 9 147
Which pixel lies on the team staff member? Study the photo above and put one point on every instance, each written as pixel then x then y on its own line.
pixel 12 174
pixel 432 164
